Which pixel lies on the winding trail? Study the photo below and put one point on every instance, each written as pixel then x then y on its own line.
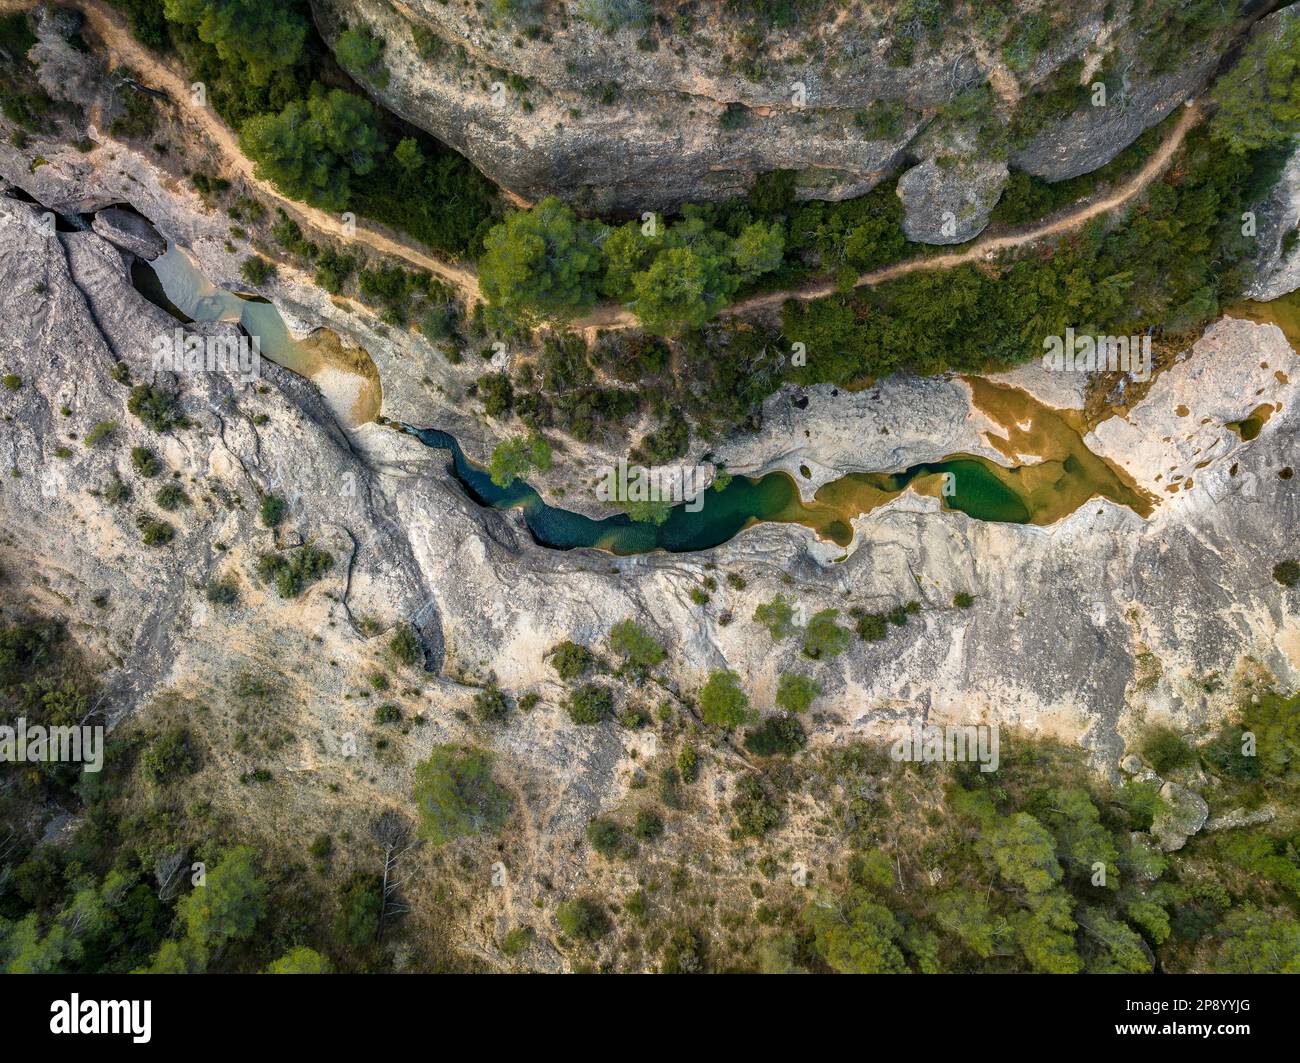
pixel 984 249
pixel 123 49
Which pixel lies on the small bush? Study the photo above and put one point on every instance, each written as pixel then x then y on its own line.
pixel 609 839
pixel 1164 749
pixel 490 705
pixel 156 407
pixel 405 646
pixel 272 510
pixel 155 532
pixel 795 692
pixel 256 270
pixel 171 497
pixel 222 591
pixel 101 431
pixel 776 736
pixel 571 660
pixel 146 462
pixel 1287 573
pixel 590 704
pixel 582 919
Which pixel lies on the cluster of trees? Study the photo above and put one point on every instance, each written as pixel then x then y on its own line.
pixel 1045 868
pixel 1168 266
pixel 269 75
pixel 548 262
pixel 151 881
pixel 1258 100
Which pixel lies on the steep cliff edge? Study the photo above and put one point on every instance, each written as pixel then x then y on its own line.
pixel 689 103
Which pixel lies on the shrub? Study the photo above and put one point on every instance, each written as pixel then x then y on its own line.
pixel 823 637
pixel 776 616
pixel 171 497
pixel 1287 573
pixel 101 431
pixel 608 839
pixel 571 660
pixel 11 381
pixel 156 407
pixel 688 763
pixel 1165 750
pixel 639 650
pixel 648 825
pixel 755 812
pixel 272 510
pixel 115 491
pixel 361 903
pixel 405 646
pixel 722 702
pixel 795 692
pixel 456 795
pixel 490 705
pixel 295 570
pixel 582 919
pixel 516 940
pixel 776 735
pixel 962 600
pixel 146 462
pixel 155 532
pixel 256 270
pixel 222 591
pixel 171 754
pixel 590 704
pixel 388 713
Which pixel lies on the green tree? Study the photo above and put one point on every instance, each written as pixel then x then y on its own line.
pixel 1259 98
pixel 968 916
pixel 543 261
pixel 513 458
pixel 359 51
pixel 795 692
pixel 311 149
pixel 638 648
pixel 777 616
pixel 1254 941
pixel 758 249
pixel 1113 946
pixel 823 637
pixel 301 960
pixel 1025 853
pixel 263 37
pixel 856 935
pixel 228 905
pixel 1045 934
pixel 456 794
pixel 723 703
pixel 361 902
pixel 682 288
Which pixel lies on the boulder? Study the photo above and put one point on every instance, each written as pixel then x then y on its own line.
pixel 130 232
pixel 950 204
pixel 1184 814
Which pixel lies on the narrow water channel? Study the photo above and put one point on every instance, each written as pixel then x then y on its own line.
pixel 1062 476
